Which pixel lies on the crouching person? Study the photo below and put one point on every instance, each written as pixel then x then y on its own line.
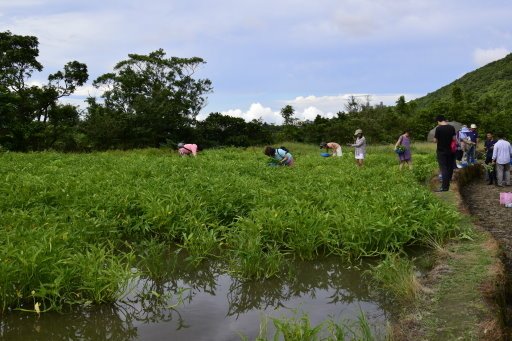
pixel 281 156
pixel 188 149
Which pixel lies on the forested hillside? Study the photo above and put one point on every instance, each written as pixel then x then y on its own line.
pixel 490 82
pixel 483 96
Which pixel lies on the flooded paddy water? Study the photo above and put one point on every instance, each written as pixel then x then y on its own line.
pixel 206 303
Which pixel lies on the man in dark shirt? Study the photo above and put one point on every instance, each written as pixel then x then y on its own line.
pixel 489 143
pixel 444 135
pixel 473 135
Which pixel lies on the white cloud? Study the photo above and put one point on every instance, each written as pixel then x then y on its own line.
pixel 256 111
pixel 307 108
pixel 482 57
pixel 332 104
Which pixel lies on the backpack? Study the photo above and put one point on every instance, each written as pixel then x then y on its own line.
pixel 282 148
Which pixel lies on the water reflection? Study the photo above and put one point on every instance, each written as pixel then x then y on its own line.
pixel 206 303
pixel 100 323
pixel 308 278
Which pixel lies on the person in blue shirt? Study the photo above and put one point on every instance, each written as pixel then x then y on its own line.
pixel 283 157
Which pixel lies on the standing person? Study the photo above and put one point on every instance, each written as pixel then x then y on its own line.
pixel 334 147
pixel 460 148
pixel 473 138
pixel 188 149
pixel 404 156
pixel 489 143
pixel 501 158
pixel 444 135
pixel 283 157
pixel 465 142
pixel 360 147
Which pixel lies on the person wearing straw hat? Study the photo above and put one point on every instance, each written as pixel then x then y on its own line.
pixel 360 147
pixel 473 140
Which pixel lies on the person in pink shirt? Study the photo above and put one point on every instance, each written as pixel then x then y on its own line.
pixel 188 149
pixel 333 146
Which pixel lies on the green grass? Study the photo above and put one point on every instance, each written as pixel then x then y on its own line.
pixel 396 275
pixel 72 224
pixel 457 308
pixel 298 327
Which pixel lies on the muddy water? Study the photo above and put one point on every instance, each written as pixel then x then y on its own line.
pixel 208 304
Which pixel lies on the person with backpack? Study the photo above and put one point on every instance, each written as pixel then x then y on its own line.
pixel 281 155
pixel 188 149
pixel 334 148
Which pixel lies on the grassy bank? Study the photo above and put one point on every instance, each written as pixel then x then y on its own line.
pixel 71 222
pixel 459 297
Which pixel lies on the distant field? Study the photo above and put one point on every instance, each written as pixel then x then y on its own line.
pixel 73 226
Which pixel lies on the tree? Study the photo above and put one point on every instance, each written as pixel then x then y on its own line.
pixel 401 107
pixel 157 97
pixel 353 105
pixel 25 113
pixel 287 113
pixel 17 60
pixel 223 130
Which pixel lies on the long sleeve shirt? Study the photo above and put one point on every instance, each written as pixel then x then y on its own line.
pixel 502 152
pixel 360 146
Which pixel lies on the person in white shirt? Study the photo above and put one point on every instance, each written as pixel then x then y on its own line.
pixel 501 156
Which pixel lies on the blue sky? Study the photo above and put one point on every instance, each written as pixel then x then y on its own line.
pixel 262 55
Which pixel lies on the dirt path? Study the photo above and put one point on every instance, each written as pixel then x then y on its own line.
pixel 482 200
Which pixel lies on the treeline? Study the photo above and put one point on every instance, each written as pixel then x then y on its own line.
pixel 153 101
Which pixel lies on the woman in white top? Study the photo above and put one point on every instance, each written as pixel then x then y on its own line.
pixel 360 147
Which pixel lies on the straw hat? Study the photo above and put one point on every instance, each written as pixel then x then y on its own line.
pixel 358 131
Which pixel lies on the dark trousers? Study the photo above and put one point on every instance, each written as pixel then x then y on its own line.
pixel 446 161
pixel 491 174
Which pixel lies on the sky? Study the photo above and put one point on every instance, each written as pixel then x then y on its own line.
pixel 263 55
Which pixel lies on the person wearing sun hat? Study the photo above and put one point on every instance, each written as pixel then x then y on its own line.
pixel 473 136
pixel 360 147
pixel 334 147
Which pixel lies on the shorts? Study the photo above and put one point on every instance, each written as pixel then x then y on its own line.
pixel 360 156
pixel 339 152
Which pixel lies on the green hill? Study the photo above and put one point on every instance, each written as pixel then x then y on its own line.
pixel 492 82
pixel 483 97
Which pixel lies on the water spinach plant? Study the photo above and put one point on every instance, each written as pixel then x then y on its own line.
pixel 72 225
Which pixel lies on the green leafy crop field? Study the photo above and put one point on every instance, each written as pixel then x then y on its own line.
pixel 70 224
